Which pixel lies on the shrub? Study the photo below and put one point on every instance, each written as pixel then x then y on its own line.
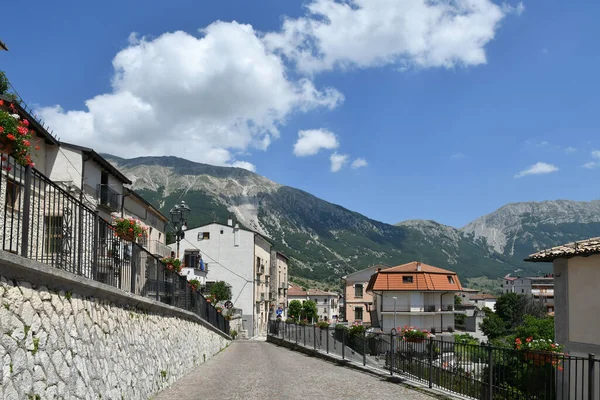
pixel 233 333
pixel 323 324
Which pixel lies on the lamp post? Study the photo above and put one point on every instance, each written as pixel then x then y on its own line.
pixel 395 298
pixel 179 219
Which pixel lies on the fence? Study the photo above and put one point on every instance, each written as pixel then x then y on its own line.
pixel 469 370
pixel 44 222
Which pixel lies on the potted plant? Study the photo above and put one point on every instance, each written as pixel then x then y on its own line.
pixel 129 229
pixel 323 324
pixel 540 351
pixel 412 334
pixel 172 264
pixel 194 283
pixel 219 309
pixel 15 135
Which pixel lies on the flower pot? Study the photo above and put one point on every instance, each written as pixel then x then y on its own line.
pixel 414 339
pixel 127 236
pixel 539 358
pixel 6 146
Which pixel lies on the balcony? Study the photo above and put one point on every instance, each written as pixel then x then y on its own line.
pixel 158 249
pixel 108 197
pixel 260 270
pixel 420 309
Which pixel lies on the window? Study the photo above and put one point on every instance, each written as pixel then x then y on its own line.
pixel 407 279
pixel 450 279
pixel 358 290
pixel 522 290
pixel 324 310
pixel 13 195
pixel 53 233
pixel 324 301
pixel 191 258
pixel 205 235
pixel 221 231
pixel 358 313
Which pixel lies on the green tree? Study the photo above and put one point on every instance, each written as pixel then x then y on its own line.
pixel 221 291
pixel 537 328
pixel 493 326
pixel 457 300
pixel 295 309
pixel 309 310
pixel 512 308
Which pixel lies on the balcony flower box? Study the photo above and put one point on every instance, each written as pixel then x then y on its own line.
pixel 15 136
pixel 129 229
pixel 172 264
pixel 540 351
pixel 194 284
pixel 413 335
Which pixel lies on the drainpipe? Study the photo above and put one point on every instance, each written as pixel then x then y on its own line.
pixel 442 315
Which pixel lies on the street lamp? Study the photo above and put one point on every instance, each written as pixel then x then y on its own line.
pixel 179 219
pixel 395 298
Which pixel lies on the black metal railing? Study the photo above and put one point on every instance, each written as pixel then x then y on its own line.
pixel 469 370
pixel 108 197
pixel 43 222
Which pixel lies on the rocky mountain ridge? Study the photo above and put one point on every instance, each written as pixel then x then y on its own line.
pixel 325 241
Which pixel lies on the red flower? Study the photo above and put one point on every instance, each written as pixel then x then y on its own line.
pixel 12 106
pixel 529 339
pixel 1 102
pixel 32 164
pixel 130 229
pixel 22 130
pixel 37 147
pixel 1 129
pixel 27 143
pixel 10 136
pixel 25 122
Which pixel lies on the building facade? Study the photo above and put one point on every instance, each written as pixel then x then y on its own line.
pixel 358 303
pixel 541 288
pixel 135 206
pixel 279 284
pixel 576 273
pixel 508 284
pixel 241 258
pixel 415 294
pixel 326 302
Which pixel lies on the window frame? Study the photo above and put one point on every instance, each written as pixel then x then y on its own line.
pixel 14 194
pixel 407 279
pixel 356 310
pixel 356 287
pixel 53 232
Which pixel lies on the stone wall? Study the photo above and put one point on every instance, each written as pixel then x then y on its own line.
pixel 68 344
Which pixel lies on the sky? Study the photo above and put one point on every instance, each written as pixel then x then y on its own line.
pixel 405 109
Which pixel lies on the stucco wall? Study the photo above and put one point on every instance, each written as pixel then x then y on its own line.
pixel 70 344
pixel 583 301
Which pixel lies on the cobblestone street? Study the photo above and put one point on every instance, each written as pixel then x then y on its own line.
pixel 260 370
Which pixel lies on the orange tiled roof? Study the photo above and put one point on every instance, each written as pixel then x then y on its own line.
pixel 582 248
pixel 296 291
pixel 483 296
pixel 424 278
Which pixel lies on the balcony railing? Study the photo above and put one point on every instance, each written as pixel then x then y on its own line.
pixel 108 197
pixel 45 223
pixel 426 308
pixel 158 248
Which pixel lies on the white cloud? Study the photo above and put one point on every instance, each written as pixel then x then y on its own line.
pixel 596 162
pixel 457 155
pixel 537 169
pixel 542 144
pixel 570 150
pixel 338 161
pixel 202 98
pixel 244 165
pixel 518 9
pixel 366 33
pixel 310 142
pixel 359 163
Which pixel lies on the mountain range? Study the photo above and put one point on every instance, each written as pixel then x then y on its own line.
pixel 325 241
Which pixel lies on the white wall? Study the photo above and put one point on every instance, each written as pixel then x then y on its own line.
pixel 227 262
pixel 66 167
pixel 583 300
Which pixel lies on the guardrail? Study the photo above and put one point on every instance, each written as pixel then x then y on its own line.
pixel 469 370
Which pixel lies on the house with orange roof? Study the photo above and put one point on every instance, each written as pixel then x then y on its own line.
pixel 414 294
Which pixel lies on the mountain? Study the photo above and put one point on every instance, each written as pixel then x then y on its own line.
pixel 325 241
pixel 519 229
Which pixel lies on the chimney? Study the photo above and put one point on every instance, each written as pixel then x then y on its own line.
pixel 378 270
pixel 418 267
pixel 230 221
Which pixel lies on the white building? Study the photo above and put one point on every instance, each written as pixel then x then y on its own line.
pixel 540 287
pixel 241 258
pixel 482 300
pixel 415 294
pixel 327 302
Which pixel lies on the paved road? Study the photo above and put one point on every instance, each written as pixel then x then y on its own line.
pixel 260 370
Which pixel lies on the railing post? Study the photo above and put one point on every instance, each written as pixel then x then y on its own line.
pixel 133 264
pixel 591 376
pixel 174 277
pixel 491 371
pixel 304 334
pixel 327 340
pixel 430 363
pixel 26 212
pixel 315 336
pixel 392 355
pixel 343 344
pixel 296 332
pixel 95 243
pixel 187 292
pixel 365 347
pixel 158 263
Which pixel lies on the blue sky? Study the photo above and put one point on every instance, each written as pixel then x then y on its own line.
pixel 457 110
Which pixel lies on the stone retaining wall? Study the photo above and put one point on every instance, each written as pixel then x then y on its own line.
pixel 67 345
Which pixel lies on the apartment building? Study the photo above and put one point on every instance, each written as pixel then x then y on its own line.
pixel 327 302
pixel 540 287
pixel 415 294
pixel 240 257
pixel 358 303
pixel 279 284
